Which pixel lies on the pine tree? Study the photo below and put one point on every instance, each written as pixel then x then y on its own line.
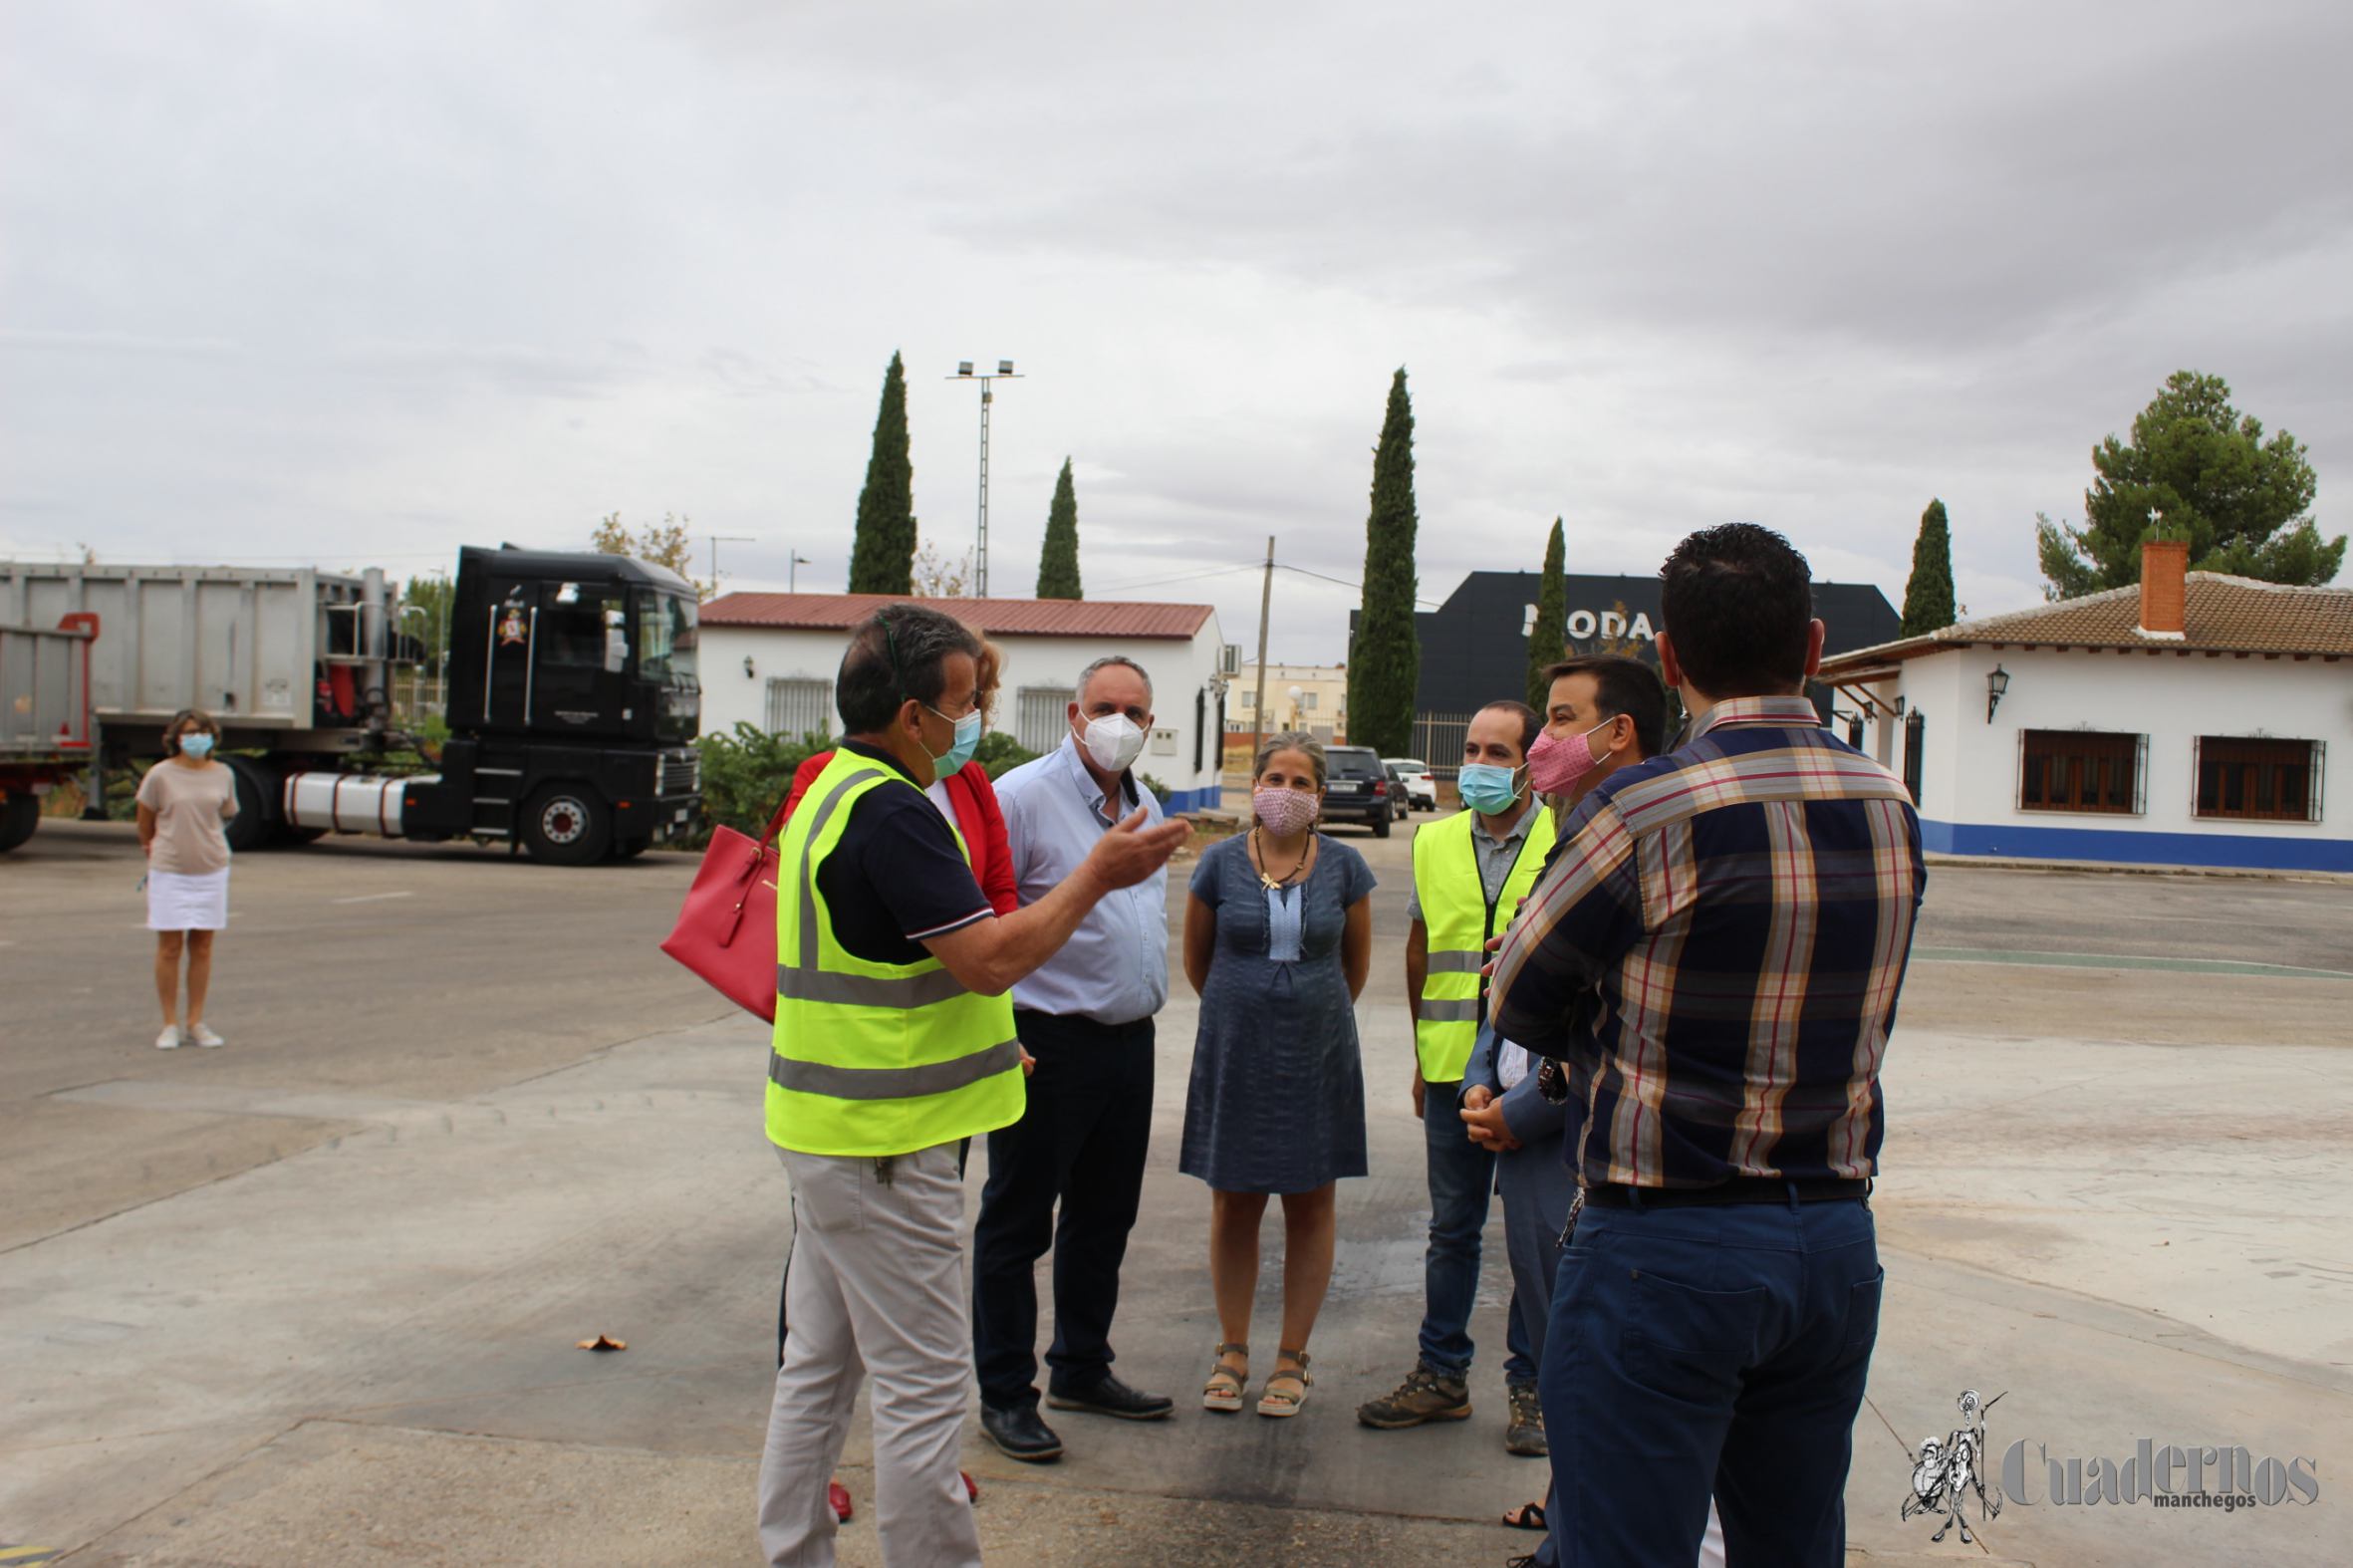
pixel 1928 596
pixel 1385 660
pixel 1548 639
pixel 881 560
pixel 1058 561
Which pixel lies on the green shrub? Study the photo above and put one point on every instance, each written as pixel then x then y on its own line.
pixel 1160 791
pixel 747 775
pixel 1000 753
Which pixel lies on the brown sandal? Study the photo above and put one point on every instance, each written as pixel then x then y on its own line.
pixel 1224 1390
pixel 1274 1401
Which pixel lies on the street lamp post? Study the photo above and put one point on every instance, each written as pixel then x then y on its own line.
pixel 963 373
pixel 793 571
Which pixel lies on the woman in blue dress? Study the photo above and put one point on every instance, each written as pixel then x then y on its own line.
pixel 1278 940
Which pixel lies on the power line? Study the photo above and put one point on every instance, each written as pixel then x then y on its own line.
pixel 1190 577
pixel 1285 566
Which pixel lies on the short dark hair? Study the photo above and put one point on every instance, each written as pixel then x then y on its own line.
pixel 1531 723
pixel 1736 600
pixel 1627 687
pixel 901 652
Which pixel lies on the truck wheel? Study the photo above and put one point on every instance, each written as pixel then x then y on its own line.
pixel 256 821
pixel 20 815
pixel 567 825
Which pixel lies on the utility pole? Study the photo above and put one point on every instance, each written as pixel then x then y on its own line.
pixel 1259 701
pixel 724 539
pixel 793 573
pixel 965 374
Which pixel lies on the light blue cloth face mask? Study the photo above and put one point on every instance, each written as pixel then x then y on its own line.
pixel 966 741
pixel 197 745
pixel 1486 787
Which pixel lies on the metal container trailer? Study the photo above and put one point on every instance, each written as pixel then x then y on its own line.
pixel 573 700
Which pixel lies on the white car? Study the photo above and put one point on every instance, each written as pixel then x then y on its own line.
pixel 1420 788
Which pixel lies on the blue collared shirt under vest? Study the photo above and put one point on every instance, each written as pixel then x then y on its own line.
pixel 1115 967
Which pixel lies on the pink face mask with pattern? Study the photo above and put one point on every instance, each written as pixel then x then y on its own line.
pixel 1284 812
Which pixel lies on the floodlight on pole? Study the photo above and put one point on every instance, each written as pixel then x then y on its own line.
pixel 964 373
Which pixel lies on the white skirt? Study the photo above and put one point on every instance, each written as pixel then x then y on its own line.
pixel 181 903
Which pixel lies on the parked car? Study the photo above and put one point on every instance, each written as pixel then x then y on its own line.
pixel 1357 788
pixel 1398 806
pixel 1420 788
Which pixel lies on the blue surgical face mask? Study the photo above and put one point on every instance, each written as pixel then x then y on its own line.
pixel 1488 788
pixel 196 745
pixel 968 737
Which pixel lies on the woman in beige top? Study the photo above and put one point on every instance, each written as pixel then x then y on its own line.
pixel 182 803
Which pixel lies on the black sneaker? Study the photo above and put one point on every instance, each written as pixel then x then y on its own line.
pixel 1108 1395
pixel 1019 1434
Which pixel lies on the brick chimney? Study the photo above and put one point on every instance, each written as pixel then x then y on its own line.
pixel 2165 569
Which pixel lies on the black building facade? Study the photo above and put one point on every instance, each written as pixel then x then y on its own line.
pixel 1475 647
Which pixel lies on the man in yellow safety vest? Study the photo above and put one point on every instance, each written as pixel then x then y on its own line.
pixel 894 1045
pixel 1471 871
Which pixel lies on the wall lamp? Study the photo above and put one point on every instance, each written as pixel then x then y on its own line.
pixel 1997 685
pixel 747 667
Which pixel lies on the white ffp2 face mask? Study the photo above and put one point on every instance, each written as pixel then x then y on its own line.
pixel 1113 741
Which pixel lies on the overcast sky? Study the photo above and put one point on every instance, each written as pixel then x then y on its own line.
pixel 355 284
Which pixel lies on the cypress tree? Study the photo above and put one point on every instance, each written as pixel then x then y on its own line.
pixel 1548 639
pixel 1928 596
pixel 1384 662
pixel 883 557
pixel 1058 562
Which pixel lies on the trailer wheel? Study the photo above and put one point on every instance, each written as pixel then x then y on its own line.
pixel 567 825
pixel 256 821
pixel 20 815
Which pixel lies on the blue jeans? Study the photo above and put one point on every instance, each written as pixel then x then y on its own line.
pixel 1461 1180
pixel 1717 1347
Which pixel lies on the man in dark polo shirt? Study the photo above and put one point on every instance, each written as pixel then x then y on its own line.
pixel 1745 906
pixel 894 1043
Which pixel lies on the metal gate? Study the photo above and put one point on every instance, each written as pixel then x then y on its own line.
pixel 1438 740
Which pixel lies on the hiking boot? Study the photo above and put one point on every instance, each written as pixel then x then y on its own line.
pixel 1525 1433
pixel 1425 1396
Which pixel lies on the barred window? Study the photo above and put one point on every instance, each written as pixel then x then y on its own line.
pixel 2259 780
pixel 800 707
pixel 2082 770
pixel 1041 716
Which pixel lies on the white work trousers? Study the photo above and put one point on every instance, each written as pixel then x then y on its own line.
pixel 876 1284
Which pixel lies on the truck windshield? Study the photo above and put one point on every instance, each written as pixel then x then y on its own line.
pixel 666 638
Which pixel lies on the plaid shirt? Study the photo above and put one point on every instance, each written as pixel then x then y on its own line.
pixel 1741 909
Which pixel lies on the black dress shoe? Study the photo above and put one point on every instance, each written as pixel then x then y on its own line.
pixel 1108 1395
pixel 1019 1434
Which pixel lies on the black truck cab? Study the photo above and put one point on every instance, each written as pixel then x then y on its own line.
pixel 573 706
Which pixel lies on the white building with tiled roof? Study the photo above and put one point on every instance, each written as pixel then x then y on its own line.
pixel 769 661
pixel 2185 721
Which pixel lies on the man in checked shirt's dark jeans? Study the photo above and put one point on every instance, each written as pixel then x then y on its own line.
pixel 1744 904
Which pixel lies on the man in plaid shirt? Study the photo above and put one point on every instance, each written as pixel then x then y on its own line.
pixel 1745 906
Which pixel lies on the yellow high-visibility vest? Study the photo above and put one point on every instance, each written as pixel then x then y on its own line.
pixel 1458 918
pixel 873 1058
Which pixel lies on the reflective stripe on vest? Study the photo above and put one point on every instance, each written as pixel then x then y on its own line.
pixel 1457 917
pixel 871 1058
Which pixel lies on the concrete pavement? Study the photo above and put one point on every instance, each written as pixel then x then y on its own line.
pixel 462 1129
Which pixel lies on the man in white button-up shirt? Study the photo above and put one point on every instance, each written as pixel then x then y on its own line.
pixel 1086 1015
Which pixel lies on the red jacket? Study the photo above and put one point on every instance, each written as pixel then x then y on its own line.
pixel 983 825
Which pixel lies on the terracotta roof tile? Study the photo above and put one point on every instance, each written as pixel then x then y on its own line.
pixel 991 616
pixel 2229 615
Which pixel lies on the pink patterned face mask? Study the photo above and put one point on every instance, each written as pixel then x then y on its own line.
pixel 1284 812
pixel 1556 765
